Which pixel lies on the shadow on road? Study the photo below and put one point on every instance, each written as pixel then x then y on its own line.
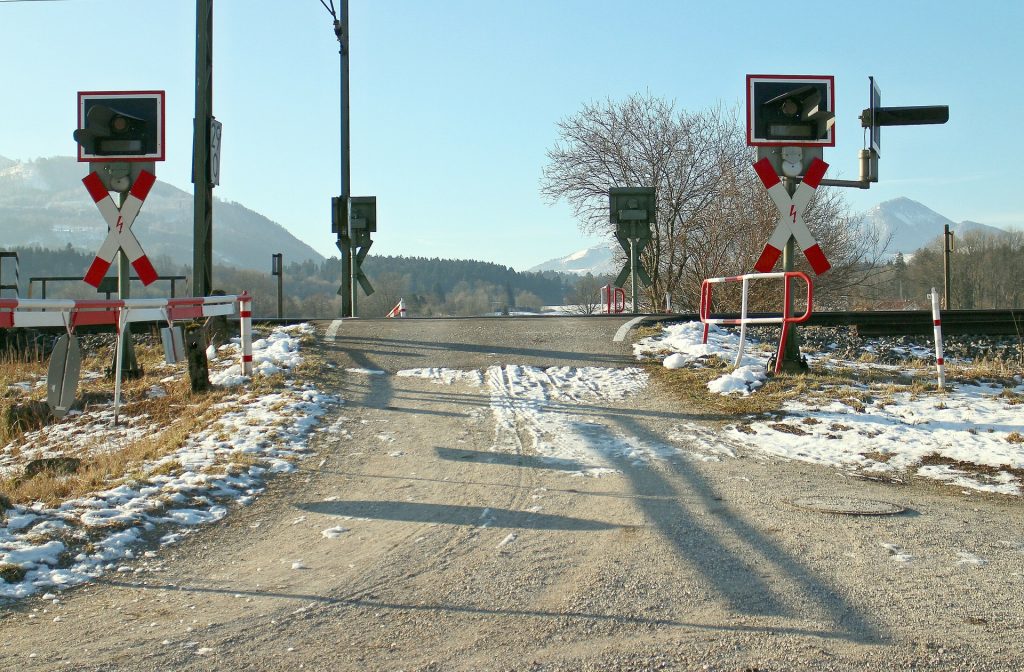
pixel 366 390
pixel 442 396
pixel 370 603
pixel 489 484
pixel 509 459
pixel 408 348
pixel 737 568
pixel 454 514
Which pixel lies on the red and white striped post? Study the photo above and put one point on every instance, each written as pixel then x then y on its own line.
pixel 245 329
pixel 940 363
pixel 398 310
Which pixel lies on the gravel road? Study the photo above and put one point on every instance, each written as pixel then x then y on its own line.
pixel 457 547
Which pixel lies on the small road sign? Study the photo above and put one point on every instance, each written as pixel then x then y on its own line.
pixel 216 131
pixel 119 225
pixel 791 221
pixel 398 310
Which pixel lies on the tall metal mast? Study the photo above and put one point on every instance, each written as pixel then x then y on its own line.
pixel 344 242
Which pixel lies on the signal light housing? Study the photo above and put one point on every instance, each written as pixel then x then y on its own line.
pixel 790 110
pixel 120 126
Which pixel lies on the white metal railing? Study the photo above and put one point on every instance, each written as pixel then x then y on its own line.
pixel 785 319
pixel 72 313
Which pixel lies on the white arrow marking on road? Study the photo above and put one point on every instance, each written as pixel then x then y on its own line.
pixel 624 329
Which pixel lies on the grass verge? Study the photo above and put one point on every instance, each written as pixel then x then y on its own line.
pixel 161 401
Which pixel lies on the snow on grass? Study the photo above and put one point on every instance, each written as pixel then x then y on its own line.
pixel 46 547
pixel 685 343
pixel 903 433
pixel 743 380
pixel 964 436
pixel 277 353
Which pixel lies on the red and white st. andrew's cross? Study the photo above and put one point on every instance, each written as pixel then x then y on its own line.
pixel 791 219
pixel 119 225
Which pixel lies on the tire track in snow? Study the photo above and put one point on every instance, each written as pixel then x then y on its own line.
pixel 533 406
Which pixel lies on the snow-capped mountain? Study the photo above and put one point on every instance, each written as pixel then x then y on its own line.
pixel 596 260
pixel 43 202
pixel 910 224
pixel 913 225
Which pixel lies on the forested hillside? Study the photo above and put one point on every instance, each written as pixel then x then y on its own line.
pixel 985 272
pixel 429 286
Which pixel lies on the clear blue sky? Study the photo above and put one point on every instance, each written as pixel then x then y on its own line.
pixel 454 102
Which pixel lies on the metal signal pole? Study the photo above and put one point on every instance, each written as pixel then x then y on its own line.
pixel 128 363
pixel 791 355
pixel 947 247
pixel 341 30
pixel 344 242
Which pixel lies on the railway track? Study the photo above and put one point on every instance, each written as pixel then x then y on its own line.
pixel 1001 322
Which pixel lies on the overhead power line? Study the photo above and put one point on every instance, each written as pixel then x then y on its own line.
pixel 329 8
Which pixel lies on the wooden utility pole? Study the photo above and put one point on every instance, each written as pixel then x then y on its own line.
pixel 202 231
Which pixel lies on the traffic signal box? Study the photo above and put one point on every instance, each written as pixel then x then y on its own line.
pixel 877 116
pixel 354 219
pixel 790 110
pixel 120 126
pixel 363 219
pixel 632 210
pixel 359 215
pixel 120 134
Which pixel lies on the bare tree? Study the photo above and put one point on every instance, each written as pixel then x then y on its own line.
pixel 585 297
pixel 389 288
pixel 642 141
pixel 985 269
pixel 714 215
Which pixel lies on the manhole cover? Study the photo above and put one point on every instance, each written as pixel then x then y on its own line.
pixel 848 506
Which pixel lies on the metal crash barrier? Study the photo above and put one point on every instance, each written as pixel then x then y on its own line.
pixel 71 313
pixel 784 319
pixel 614 299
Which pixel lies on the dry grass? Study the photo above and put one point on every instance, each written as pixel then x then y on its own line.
pixel 179 414
pixel 856 388
pixel 1010 397
pixel 983 368
pixel 101 470
pixel 971 467
pixel 690 387
pixel 12 573
pixel 18 415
